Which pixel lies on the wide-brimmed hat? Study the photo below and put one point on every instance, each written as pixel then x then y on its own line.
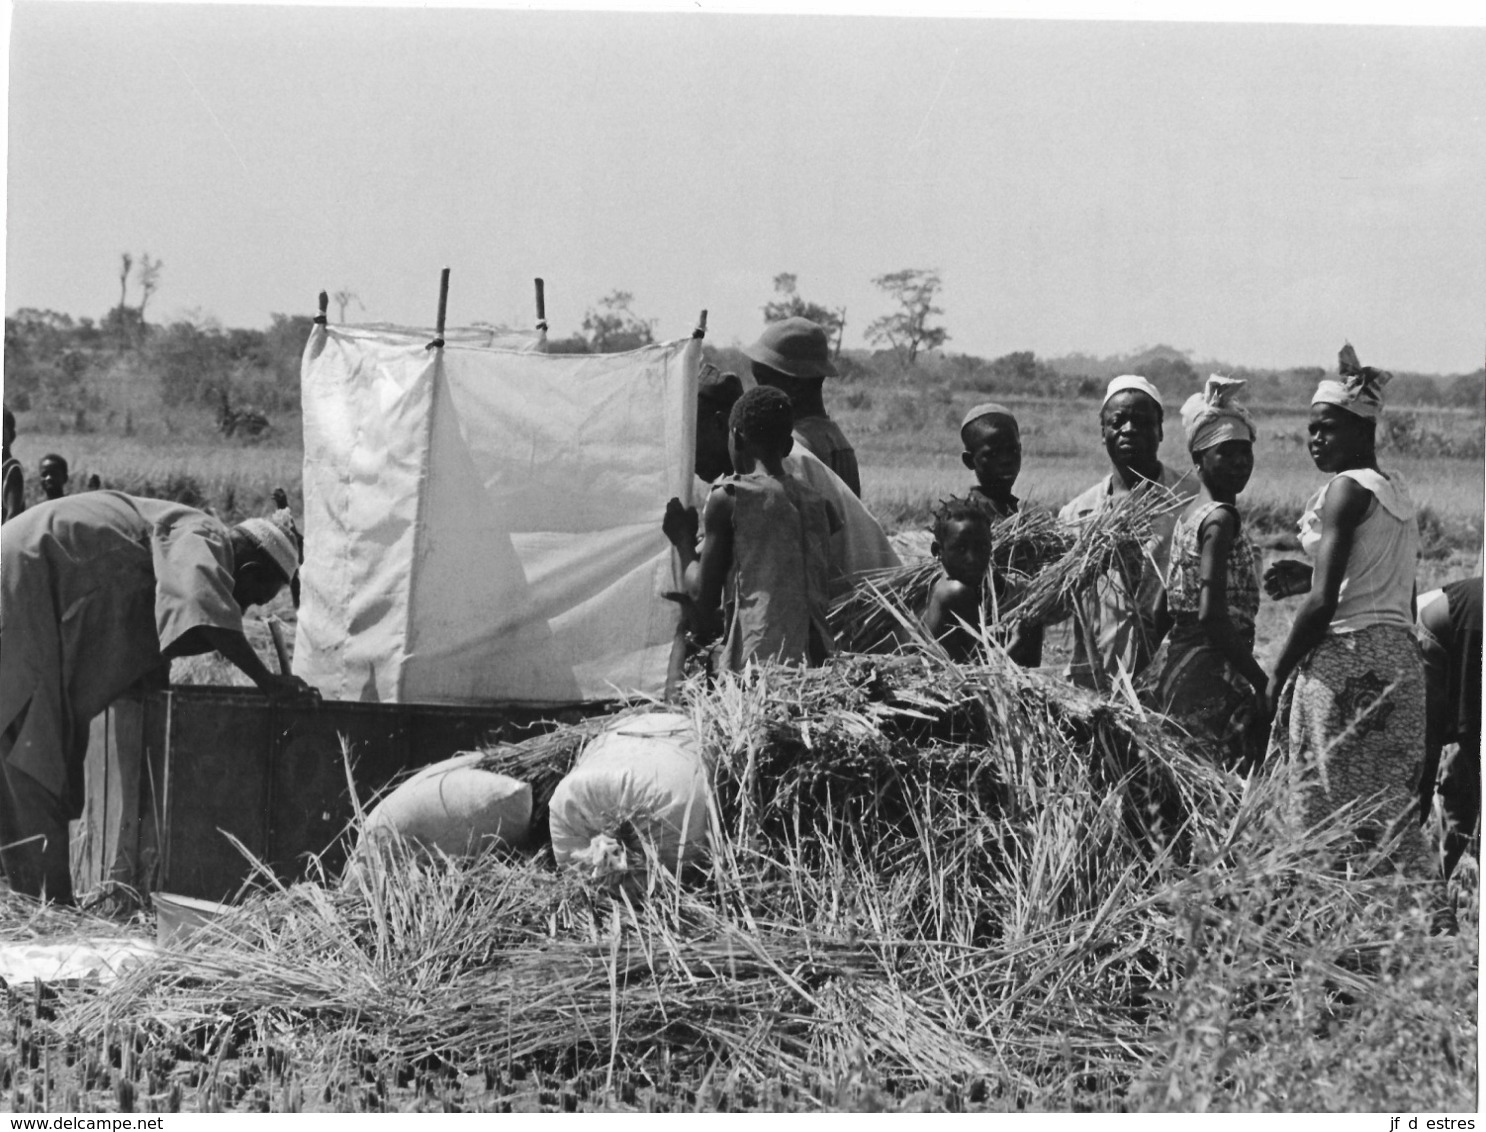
pixel 795 347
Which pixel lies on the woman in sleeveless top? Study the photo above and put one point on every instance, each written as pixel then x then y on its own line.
pixel 1349 683
pixel 1205 677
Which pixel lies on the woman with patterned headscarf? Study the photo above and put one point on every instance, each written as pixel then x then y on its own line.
pixel 1349 684
pixel 1205 676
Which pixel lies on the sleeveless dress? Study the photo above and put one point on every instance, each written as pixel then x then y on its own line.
pixel 779 584
pixel 1351 718
pixel 1190 681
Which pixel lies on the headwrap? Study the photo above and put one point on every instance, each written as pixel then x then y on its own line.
pixel 1360 390
pixel 1128 381
pixel 279 537
pixel 986 409
pixel 1214 415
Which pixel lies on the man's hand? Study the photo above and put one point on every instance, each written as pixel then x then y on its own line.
pixel 680 525
pixel 1287 578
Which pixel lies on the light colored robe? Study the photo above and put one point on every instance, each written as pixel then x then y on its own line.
pixel 1126 626
pixel 93 589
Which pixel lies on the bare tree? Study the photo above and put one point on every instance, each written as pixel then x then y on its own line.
pixel 121 317
pixel 907 330
pixel 149 280
pixel 127 262
pixel 344 298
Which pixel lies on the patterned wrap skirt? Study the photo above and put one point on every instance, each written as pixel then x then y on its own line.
pixel 1351 721
pixel 1192 684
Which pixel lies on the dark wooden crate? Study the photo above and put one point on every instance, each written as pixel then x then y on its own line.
pixel 171 773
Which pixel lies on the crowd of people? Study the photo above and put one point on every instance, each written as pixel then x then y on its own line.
pixel 99 590
pixel 1349 694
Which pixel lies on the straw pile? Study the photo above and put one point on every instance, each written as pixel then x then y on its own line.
pixel 970 884
pixel 931 884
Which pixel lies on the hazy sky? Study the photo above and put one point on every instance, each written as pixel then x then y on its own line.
pixel 1256 193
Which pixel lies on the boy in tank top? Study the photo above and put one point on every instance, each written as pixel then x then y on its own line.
pixel 761 578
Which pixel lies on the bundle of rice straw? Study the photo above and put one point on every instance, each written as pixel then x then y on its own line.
pixel 1115 539
pixel 869 618
pixel 1038 569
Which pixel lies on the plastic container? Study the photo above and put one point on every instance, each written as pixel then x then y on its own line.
pixel 179 917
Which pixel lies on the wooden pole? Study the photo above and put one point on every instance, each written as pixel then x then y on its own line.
pixel 541 304
pixel 438 341
pixel 676 664
pixel 840 334
pixel 701 330
pixel 324 306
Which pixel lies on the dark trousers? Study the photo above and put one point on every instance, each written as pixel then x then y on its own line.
pixel 1459 789
pixel 34 853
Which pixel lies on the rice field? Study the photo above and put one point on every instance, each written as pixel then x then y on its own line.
pixel 930 887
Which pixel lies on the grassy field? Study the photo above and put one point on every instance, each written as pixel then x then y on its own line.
pixel 907 443
pixel 885 925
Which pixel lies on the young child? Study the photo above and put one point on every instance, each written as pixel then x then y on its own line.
pixel 1205 676
pixel 54 476
pixel 766 546
pixel 13 484
pixel 962 543
pixel 993 451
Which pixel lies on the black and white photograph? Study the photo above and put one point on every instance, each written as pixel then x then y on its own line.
pixel 732 559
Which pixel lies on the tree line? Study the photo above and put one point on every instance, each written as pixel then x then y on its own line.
pixel 58 363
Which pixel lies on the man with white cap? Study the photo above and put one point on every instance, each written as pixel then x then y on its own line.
pixel 1125 623
pixel 97 592
pixel 793 355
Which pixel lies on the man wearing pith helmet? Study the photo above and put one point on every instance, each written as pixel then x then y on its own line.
pixel 1126 622
pixel 794 356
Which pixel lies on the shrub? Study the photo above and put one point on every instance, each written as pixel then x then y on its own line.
pixel 1408 434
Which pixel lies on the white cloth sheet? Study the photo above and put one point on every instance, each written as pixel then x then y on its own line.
pixel 483 524
pixel 55 960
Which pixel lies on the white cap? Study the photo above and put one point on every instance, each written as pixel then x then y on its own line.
pixel 275 536
pixel 1128 381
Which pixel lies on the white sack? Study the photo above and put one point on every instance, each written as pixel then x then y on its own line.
pixel 455 807
pixel 646 770
pixel 484 524
pixel 55 961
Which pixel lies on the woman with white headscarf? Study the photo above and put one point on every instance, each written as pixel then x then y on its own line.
pixel 1205 677
pixel 1349 683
